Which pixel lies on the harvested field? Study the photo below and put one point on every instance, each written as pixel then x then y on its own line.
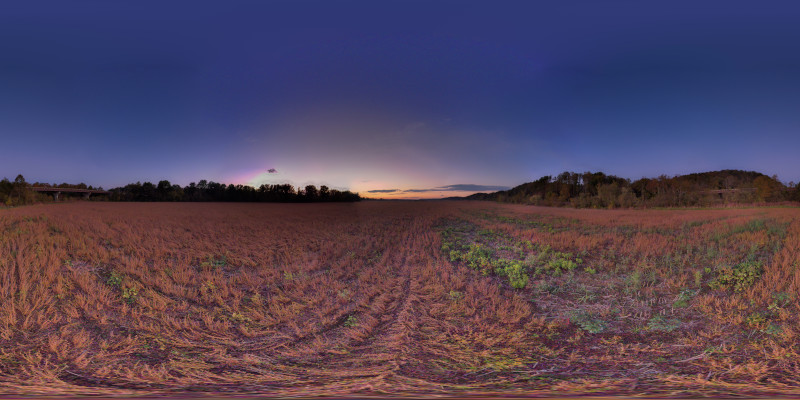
pixel 402 298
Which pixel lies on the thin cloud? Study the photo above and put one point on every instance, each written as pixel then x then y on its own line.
pixel 383 191
pixel 477 188
pixel 464 187
pixel 419 190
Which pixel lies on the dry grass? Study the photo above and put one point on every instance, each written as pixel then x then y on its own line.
pixel 337 299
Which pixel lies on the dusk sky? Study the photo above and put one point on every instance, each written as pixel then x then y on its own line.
pixel 396 99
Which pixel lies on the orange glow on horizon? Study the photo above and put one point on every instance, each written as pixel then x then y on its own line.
pixel 370 188
pixel 406 195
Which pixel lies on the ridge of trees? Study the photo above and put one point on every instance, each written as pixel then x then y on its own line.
pixel 598 190
pixel 19 192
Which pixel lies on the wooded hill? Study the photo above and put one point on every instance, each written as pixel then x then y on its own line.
pixel 596 190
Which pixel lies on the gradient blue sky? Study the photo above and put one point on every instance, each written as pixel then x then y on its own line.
pixel 426 98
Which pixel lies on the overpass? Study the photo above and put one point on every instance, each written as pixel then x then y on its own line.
pixel 56 191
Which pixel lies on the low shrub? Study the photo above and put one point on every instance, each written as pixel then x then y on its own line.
pixel 738 277
pixel 659 323
pixel 588 322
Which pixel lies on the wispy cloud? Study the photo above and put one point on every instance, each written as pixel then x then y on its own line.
pixel 468 187
pixel 417 190
pixel 464 187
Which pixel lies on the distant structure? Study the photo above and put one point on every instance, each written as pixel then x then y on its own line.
pixel 57 191
pixel 272 171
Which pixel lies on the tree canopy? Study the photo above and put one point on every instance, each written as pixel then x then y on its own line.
pixel 596 189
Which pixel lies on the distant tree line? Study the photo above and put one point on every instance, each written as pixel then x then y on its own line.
pixel 19 192
pixel 214 191
pixel 598 190
pixel 13 193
